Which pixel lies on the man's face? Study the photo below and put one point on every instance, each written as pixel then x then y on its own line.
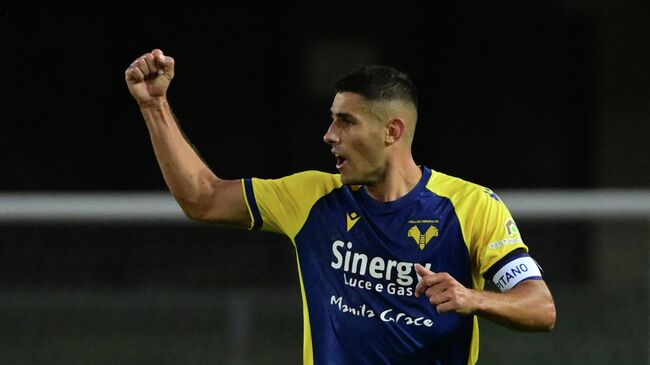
pixel 357 137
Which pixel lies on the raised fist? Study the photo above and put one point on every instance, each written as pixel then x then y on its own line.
pixel 149 76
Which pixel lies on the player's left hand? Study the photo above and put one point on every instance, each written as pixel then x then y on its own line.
pixel 444 292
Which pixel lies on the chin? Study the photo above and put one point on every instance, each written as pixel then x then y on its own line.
pixel 347 179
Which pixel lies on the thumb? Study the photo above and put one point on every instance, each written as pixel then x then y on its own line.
pixel 422 271
pixel 165 63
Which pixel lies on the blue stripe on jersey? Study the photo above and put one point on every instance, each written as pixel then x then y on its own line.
pixel 250 194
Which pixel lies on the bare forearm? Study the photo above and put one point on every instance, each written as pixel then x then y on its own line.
pixel 527 307
pixel 189 179
pixel 201 194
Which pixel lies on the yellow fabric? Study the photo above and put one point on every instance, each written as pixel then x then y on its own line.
pixel 284 208
pixel 308 348
pixel 287 201
pixel 487 226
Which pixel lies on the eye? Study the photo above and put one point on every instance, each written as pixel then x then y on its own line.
pixel 343 120
pixel 346 121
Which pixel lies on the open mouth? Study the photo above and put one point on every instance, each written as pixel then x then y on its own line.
pixel 340 160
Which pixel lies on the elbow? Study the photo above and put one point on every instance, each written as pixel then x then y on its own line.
pixel 549 318
pixel 193 209
pixel 541 318
pixel 546 318
pixel 201 214
pixel 545 312
pixel 194 214
pixel 549 313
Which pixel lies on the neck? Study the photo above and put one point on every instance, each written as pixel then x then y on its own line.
pixel 398 180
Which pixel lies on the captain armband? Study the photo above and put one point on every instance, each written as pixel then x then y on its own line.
pixel 517 269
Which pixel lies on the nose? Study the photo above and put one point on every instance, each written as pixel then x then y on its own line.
pixel 330 136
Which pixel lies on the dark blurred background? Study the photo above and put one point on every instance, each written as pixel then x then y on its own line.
pixel 514 95
pixel 541 94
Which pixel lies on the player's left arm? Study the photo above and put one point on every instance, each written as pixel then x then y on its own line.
pixel 528 306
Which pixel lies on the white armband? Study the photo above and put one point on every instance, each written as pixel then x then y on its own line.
pixel 516 271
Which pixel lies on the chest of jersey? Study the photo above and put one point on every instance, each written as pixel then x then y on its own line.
pixel 357 259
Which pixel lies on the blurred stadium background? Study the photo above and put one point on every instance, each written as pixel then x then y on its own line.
pixel 546 103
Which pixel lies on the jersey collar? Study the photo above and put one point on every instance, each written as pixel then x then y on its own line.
pixel 396 204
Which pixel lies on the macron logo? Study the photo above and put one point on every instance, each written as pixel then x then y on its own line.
pixel 352 219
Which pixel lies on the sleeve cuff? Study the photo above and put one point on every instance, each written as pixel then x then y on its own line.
pixel 249 195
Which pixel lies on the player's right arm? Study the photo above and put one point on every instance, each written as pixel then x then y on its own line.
pixel 200 193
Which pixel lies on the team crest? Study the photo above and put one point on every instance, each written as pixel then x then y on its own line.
pixel 423 231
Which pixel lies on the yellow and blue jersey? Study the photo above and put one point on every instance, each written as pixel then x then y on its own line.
pixel 356 258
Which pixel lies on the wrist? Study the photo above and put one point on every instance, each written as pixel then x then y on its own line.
pixel 157 113
pixel 477 301
pixel 154 103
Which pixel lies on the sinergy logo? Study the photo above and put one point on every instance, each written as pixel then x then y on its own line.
pixel 377 267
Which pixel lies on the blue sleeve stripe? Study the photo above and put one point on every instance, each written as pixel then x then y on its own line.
pixel 252 203
pixel 530 278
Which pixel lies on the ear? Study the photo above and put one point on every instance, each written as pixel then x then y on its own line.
pixel 394 131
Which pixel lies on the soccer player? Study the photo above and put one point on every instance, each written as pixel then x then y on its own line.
pixel 392 256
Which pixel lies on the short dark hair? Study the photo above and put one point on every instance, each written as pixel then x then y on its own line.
pixel 378 83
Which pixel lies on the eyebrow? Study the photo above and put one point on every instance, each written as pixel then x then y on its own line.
pixel 343 115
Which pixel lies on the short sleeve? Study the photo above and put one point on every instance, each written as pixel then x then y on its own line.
pixel 283 205
pixel 494 233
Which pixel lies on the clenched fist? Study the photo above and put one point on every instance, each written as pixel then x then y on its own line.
pixel 149 76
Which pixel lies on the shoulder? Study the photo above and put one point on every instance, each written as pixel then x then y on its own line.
pixel 315 175
pixel 311 179
pixel 284 203
pixel 304 183
pixel 458 190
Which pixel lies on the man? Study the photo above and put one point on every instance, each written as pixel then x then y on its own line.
pixel 392 256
